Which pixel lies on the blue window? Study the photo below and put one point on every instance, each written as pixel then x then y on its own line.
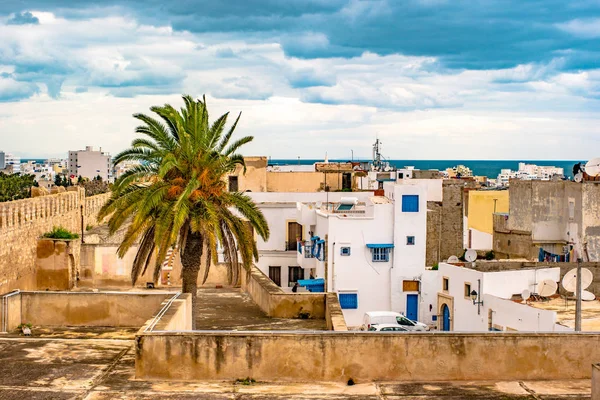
pixel 348 301
pixel 410 240
pixel 380 254
pixel 410 203
pixel 345 251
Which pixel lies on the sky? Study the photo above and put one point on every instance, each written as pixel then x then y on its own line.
pixel 432 79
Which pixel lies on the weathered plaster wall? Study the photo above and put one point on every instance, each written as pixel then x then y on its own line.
pixel 364 357
pixel 89 309
pixel 434 214
pixel 302 182
pixel 590 204
pixel 57 264
pixel 277 304
pixel 255 177
pixel 452 219
pixel 553 214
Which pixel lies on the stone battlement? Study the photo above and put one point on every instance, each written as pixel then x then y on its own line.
pixel 23 222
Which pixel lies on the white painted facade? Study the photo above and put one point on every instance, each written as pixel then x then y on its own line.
pixel 90 163
pixel 378 285
pixel 280 209
pixel 497 310
pixel 478 240
pixel 10 160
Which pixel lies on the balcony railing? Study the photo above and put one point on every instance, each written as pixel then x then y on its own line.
pixel 307 248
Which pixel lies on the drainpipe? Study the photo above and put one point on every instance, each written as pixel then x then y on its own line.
pixel 578 298
pixel 82 227
pixel 333 268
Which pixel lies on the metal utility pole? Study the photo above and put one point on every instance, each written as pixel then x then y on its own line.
pixel 578 298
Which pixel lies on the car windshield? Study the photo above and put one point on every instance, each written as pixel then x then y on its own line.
pixel 404 321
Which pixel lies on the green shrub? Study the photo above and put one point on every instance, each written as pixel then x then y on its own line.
pixel 490 255
pixel 60 233
pixel 435 267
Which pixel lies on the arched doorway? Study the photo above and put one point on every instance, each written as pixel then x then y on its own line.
pixel 445 318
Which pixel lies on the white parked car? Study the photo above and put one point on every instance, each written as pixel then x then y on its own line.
pixel 390 317
pixel 388 328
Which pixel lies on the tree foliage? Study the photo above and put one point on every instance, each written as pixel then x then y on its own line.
pixel 15 186
pixel 177 194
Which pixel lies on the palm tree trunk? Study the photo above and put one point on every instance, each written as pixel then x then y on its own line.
pixel 191 259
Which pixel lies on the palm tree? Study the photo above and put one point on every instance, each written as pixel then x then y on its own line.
pixel 177 196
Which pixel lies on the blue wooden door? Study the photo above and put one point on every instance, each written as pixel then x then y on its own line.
pixel 412 306
pixel 445 318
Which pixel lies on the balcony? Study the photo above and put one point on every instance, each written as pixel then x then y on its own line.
pixel 306 257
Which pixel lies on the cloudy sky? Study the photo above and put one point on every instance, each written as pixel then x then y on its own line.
pixel 450 79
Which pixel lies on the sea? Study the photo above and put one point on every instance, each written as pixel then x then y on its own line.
pixel 489 168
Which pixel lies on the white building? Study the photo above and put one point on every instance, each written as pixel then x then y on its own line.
pixel 370 250
pixel 529 172
pixel 8 160
pixel 89 164
pixel 457 311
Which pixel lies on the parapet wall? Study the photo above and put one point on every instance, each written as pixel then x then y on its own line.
pixel 278 304
pixel 365 357
pixel 22 222
pixel 116 309
pixel 174 315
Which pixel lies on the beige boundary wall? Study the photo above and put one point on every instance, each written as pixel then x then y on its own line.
pixel 365 357
pixel 278 304
pixel 115 309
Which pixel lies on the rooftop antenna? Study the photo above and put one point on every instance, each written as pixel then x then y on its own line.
pixel 377 154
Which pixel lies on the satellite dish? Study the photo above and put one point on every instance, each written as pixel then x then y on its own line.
pixel 569 281
pixel 471 255
pixel 547 288
pixel 525 295
pixel 453 259
pixel 587 296
pixel 578 178
pixel 592 168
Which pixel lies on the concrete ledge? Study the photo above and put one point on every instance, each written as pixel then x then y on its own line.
pixel 175 314
pixel 333 313
pixel 364 356
pixel 278 304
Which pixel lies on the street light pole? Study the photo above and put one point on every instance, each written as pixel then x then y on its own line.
pixel 578 298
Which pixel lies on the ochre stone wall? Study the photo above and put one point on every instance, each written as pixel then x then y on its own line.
pixel 23 222
pixel 366 357
pixel 278 304
pixel 57 264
